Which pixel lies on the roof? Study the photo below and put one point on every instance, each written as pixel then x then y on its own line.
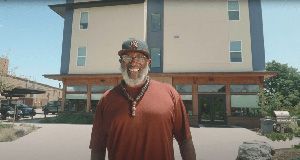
pixel 33 82
pixel 265 74
pixel 20 92
pixel 60 9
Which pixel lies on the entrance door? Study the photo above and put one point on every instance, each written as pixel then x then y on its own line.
pixel 212 108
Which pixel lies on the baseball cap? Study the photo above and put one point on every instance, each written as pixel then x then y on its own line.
pixel 133 44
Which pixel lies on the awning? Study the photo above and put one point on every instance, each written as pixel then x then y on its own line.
pixel 264 74
pixel 21 92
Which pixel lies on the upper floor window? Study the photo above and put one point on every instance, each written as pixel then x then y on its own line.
pixel 81 56
pixel 233 10
pixel 155 22
pixel 84 20
pixel 235 51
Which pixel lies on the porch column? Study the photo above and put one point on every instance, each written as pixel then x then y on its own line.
pixel 195 104
pixel 228 99
pixel 63 100
pixel 88 100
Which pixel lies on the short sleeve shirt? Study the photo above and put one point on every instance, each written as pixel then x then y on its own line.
pixel 160 116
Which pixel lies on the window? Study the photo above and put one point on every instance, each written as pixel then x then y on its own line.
pixel 81 56
pixel 97 93
pixel 211 88
pixel 244 100
pixel 235 51
pixel 76 98
pixel 233 10
pixel 155 22
pixel 101 88
pixel 155 57
pixel 185 91
pixel 245 105
pixel 79 88
pixel 244 88
pixel 84 20
pixel 184 88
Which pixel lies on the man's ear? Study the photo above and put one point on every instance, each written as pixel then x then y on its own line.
pixel 149 62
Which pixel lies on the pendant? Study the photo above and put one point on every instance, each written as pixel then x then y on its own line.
pixel 133 108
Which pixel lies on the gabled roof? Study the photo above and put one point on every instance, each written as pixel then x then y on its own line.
pixel 61 8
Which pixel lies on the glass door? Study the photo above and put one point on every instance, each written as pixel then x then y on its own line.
pixel 212 108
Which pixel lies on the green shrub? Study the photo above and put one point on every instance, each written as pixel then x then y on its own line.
pixel 70 118
pixel 5 125
pixel 297 158
pixel 296 132
pixel 274 136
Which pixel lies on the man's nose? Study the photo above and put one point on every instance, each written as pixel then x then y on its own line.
pixel 134 60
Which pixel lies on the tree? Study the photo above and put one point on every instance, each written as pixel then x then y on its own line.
pixel 282 92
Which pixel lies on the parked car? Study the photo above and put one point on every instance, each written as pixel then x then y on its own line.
pixel 26 110
pixel 9 111
pixel 52 107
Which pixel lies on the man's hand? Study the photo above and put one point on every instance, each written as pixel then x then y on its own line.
pixel 96 155
pixel 187 150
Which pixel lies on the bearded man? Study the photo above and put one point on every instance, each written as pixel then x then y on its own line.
pixel 138 118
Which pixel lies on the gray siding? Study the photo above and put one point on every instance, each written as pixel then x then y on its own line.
pixel 257 38
pixel 66 46
pixel 155 38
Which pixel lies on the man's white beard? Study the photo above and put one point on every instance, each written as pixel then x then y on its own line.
pixel 135 82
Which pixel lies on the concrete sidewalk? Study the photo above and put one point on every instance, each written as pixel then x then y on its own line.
pixel 70 142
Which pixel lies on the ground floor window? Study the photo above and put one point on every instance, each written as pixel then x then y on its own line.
pixel 245 105
pixel 95 97
pixel 76 102
pixel 185 90
pixel 188 103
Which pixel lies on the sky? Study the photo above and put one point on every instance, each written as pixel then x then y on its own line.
pixel 31 36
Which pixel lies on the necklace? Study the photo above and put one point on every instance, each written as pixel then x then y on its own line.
pixel 138 97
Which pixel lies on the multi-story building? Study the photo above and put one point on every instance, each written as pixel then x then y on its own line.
pixel 25 90
pixel 212 52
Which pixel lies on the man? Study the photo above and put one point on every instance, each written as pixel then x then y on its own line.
pixel 137 119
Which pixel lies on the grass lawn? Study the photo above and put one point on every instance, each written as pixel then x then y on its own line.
pixel 10 132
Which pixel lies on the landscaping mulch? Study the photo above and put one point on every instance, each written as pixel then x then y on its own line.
pixel 286 154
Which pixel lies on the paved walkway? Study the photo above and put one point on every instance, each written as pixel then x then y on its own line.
pixel 70 142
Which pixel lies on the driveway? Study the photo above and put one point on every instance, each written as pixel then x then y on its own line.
pixel 70 142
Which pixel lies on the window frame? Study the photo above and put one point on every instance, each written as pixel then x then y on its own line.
pixel 88 17
pixel 239 10
pixel 241 51
pixel 151 22
pixel 81 56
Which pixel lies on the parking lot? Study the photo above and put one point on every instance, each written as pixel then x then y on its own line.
pixel 39 115
pixel 67 141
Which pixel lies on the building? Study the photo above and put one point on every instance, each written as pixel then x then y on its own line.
pixel 212 52
pixel 45 92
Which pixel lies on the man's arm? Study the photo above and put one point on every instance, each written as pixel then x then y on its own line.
pixel 96 155
pixel 187 150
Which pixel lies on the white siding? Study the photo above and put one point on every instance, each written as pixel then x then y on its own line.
pixel 108 27
pixel 197 36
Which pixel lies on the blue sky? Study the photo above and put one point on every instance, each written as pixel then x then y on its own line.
pixel 31 35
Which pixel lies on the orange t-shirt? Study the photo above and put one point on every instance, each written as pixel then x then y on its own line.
pixel 160 115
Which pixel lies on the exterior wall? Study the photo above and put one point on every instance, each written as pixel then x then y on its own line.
pixel 257 35
pixel 108 27
pixel 199 33
pixel 3 66
pixel 37 100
